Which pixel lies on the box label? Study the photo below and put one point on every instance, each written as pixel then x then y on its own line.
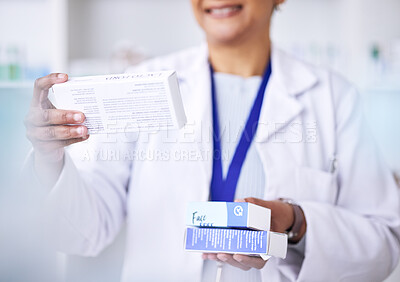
pixel 217 214
pixel 123 103
pixel 237 214
pixel 226 240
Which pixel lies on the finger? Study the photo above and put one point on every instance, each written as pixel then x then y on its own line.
pixel 47 104
pixel 42 117
pixel 249 261
pixel 50 146
pixel 211 256
pixel 205 256
pixel 240 201
pixel 256 201
pixel 43 84
pixel 54 133
pixel 228 258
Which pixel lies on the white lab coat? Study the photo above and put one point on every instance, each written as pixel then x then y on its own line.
pixel 309 116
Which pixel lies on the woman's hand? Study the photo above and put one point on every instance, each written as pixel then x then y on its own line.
pixel 282 215
pixel 282 218
pixel 50 129
pixel 240 261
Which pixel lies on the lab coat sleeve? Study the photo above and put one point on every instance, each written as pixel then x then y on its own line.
pixel 356 239
pixel 86 208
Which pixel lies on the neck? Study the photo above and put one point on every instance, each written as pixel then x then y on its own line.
pixel 247 58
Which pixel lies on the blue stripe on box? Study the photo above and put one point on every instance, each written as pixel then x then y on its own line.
pixel 226 240
pixel 237 214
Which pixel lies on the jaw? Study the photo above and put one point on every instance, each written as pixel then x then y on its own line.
pixel 223 22
pixel 231 21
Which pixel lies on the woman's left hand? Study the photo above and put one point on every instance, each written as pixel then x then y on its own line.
pixel 282 219
pixel 240 261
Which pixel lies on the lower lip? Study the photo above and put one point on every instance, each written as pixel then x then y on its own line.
pixel 229 14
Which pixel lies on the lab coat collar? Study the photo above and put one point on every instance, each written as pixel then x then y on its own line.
pixel 289 79
pixel 290 73
pixel 293 75
pixel 196 78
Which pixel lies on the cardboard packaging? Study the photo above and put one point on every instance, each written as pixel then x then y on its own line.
pixel 228 215
pixel 125 102
pixel 236 241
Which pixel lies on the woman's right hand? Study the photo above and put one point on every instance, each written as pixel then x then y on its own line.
pixel 50 129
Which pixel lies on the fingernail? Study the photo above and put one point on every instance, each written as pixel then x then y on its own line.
pixel 79 130
pixel 238 259
pixel 223 258
pixel 61 76
pixel 77 117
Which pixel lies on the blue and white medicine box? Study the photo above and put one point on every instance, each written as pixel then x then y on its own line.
pixel 228 215
pixel 236 241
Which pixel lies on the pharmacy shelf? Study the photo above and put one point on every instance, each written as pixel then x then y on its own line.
pixel 382 89
pixel 16 85
pixel 391 85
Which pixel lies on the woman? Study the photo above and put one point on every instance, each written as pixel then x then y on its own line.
pixel 309 146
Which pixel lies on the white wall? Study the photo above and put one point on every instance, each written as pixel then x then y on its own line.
pixel 22 22
pixel 38 29
pixel 163 26
pixel 159 26
pixel 352 25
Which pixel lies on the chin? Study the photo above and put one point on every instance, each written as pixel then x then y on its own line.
pixel 224 35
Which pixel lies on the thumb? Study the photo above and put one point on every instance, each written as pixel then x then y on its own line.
pixel 259 202
pixel 42 86
pixel 240 201
pixel 252 200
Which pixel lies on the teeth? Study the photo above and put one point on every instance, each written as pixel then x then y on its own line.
pixel 224 11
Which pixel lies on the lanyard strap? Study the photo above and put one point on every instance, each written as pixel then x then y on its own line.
pixel 224 189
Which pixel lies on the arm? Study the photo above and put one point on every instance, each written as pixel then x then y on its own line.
pixel 85 198
pixel 50 129
pixel 87 205
pixel 358 238
pixel 282 218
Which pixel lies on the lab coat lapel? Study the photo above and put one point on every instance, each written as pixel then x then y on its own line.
pixel 199 110
pixel 288 80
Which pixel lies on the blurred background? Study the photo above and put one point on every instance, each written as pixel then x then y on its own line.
pixel 359 39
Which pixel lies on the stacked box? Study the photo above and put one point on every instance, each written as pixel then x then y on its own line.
pixel 236 228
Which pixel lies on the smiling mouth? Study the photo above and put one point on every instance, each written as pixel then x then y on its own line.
pixel 223 12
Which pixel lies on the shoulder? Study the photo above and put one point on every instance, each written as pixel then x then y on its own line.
pixel 323 75
pixel 178 61
pixel 323 81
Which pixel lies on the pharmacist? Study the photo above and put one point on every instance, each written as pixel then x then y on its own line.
pixel 310 148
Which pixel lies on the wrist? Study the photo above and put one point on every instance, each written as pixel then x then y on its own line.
pixel 48 166
pixel 298 226
pixel 301 231
pixel 49 158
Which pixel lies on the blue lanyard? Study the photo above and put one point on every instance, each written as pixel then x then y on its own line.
pixel 224 189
